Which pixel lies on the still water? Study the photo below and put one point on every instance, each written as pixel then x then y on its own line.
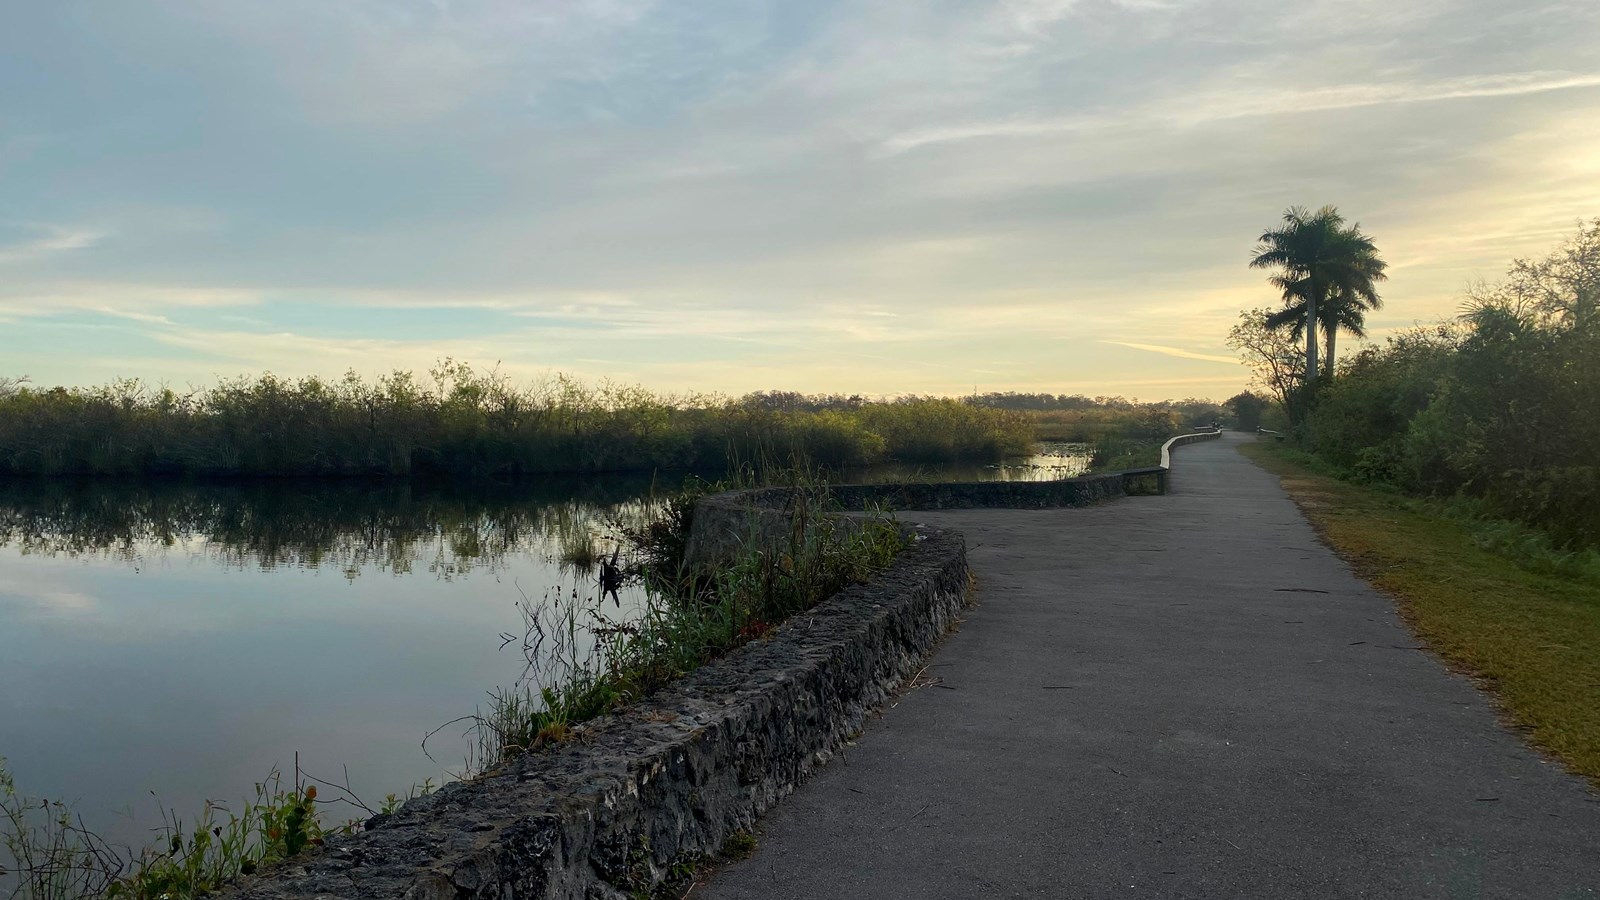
pixel 174 643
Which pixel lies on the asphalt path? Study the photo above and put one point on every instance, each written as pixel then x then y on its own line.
pixel 1178 696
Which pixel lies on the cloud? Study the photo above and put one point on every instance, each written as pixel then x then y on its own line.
pixel 1248 103
pixel 1205 106
pixel 52 298
pixel 21 242
pixel 1176 351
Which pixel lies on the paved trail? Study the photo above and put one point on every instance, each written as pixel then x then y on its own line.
pixel 1179 696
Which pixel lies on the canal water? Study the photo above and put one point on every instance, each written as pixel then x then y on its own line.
pixel 162 645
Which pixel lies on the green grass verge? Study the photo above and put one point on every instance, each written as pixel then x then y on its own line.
pixel 1531 638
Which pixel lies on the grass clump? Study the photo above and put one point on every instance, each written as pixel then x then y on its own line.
pixel 221 845
pixel 739 845
pixel 1531 636
pixel 48 853
pixel 51 855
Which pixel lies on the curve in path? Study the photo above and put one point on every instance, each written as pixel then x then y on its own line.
pixel 1179 696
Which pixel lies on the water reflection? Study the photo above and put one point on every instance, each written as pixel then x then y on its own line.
pixel 1054 460
pixel 400 529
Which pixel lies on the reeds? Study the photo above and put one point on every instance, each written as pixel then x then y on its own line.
pixel 463 423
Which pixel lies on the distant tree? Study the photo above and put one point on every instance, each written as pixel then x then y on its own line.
pixel 10 385
pixel 1561 289
pixel 793 401
pixel 1247 408
pixel 1273 355
pixel 1326 273
pixel 1014 400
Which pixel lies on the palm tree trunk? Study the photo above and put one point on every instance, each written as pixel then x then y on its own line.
pixel 1327 364
pixel 1311 331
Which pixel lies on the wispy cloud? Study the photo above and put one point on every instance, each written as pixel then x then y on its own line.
pixel 1209 105
pixel 31 242
pixel 25 299
pixel 1178 352
pixel 1251 103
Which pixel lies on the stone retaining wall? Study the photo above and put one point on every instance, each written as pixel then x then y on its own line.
pixel 661 783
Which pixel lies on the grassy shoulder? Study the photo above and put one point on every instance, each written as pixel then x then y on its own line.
pixel 1532 638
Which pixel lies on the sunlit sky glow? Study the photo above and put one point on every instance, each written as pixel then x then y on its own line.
pixel 875 197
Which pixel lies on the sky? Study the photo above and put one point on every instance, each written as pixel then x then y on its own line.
pixel 825 196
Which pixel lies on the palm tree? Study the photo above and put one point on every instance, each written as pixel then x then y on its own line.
pixel 1326 273
pixel 1343 309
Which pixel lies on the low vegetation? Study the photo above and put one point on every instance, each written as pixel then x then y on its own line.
pixel 459 422
pixel 1496 601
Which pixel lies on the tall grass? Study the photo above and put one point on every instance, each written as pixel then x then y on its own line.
pixel 49 854
pixel 461 422
pixel 46 852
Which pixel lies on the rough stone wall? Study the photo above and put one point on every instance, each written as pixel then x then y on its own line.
pixel 608 814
